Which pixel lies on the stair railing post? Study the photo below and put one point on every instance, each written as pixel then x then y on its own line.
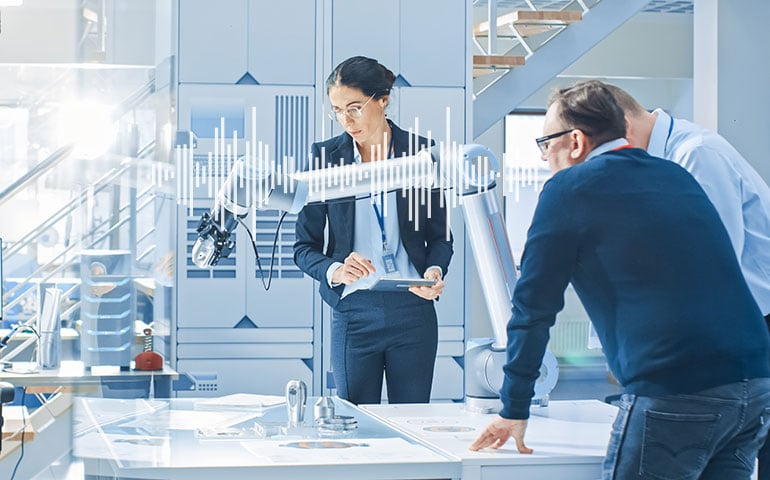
pixel 492 19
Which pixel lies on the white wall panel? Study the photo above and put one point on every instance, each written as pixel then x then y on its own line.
pixel 432 47
pixel 288 303
pixel 213 38
pixel 429 106
pixel 245 350
pixel 451 349
pixel 448 383
pixel 245 335
pixel 282 42
pixel 448 334
pixel 369 28
pixel 215 378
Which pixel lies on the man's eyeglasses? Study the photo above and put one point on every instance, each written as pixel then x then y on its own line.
pixel 352 112
pixel 542 142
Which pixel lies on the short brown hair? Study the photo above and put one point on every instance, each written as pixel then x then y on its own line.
pixel 591 107
pixel 625 100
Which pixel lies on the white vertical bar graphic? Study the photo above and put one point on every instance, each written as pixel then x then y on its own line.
pixel 178 158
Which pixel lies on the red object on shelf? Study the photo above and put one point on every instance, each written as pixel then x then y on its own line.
pixel 148 361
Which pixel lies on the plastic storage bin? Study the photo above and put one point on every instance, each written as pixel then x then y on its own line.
pixel 107 308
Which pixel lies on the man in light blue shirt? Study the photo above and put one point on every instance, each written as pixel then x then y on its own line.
pixel 738 192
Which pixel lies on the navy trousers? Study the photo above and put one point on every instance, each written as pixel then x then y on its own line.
pixel 391 333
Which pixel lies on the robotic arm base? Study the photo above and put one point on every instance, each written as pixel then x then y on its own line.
pixel 484 377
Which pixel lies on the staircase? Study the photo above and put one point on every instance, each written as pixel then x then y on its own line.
pixel 520 50
pixel 517 30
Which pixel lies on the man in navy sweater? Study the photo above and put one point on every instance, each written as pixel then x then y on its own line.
pixel 654 268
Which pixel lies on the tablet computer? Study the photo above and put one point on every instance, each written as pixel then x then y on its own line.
pixel 396 284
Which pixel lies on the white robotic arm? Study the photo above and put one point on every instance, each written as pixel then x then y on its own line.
pixel 252 186
pixel 469 171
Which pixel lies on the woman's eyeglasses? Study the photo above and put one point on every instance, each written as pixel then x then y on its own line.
pixel 351 112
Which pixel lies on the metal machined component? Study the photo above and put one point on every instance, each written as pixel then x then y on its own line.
pixel 296 399
pixel 324 408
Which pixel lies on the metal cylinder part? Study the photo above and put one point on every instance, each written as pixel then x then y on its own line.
pixel 324 408
pixel 296 398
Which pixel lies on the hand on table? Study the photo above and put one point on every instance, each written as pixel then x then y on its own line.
pixel 499 431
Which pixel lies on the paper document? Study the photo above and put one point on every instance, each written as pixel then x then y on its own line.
pixel 241 401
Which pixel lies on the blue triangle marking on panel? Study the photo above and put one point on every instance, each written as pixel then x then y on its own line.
pixel 401 82
pixel 460 361
pixel 245 322
pixel 308 362
pixel 247 79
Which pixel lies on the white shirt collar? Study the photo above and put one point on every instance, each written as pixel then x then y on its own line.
pixel 356 153
pixel 606 147
pixel 659 134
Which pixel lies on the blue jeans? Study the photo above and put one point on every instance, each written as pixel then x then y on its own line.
pixel 764 453
pixel 713 434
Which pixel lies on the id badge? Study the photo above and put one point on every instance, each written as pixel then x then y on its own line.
pixel 389 260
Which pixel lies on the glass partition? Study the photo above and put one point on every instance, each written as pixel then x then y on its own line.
pixel 85 135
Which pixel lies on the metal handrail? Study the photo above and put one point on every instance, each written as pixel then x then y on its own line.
pixel 69 207
pixel 72 205
pixel 135 99
pixel 515 35
pixel 36 172
pixel 52 272
pixel 100 184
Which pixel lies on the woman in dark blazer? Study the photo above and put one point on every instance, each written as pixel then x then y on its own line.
pixel 375 332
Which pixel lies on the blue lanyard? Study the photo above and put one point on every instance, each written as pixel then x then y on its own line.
pixel 381 215
pixel 381 221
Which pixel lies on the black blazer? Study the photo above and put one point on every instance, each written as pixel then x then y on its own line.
pixel 425 247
